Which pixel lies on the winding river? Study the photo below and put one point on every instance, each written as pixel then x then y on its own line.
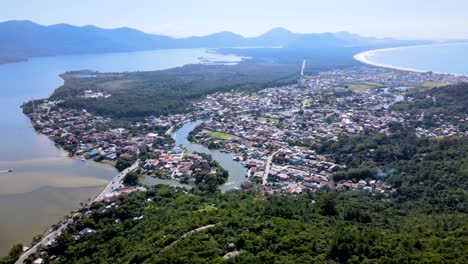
pixel 236 170
pixel 45 184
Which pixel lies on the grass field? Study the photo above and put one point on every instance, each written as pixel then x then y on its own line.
pixel 307 102
pixel 364 86
pixel 269 119
pixel 110 162
pixel 434 84
pixel 220 135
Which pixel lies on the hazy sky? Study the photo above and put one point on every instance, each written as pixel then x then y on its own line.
pixel 431 19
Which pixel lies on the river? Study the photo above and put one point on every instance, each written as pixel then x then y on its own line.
pixel 236 170
pixel 46 184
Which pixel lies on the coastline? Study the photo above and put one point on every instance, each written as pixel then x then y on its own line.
pixel 362 57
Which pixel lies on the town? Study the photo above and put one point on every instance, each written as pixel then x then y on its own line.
pixel 271 132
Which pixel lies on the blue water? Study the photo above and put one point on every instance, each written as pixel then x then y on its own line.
pixel 38 77
pixel 45 184
pixel 437 58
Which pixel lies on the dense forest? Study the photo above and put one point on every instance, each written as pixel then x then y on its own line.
pixel 328 227
pixel 449 103
pixel 430 175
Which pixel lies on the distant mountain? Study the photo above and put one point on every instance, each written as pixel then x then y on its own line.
pixel 24 39
pixel 274 38
pixel 345 40
pixel 216 40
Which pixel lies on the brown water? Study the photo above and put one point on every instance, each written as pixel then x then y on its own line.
pixel 40 191
pixel 45 184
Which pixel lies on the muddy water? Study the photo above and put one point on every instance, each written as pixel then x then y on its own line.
pixel 45 184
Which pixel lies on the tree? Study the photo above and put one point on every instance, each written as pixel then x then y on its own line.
pixel 327 204
pixel 13 255
pixel 131 178
pixel 123 163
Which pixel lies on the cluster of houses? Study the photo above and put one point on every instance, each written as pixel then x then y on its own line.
pixel 383 76
pixel 93 95
pixel 176 164
pixel 254 126
pixel 295 169
pixel 87 136
pixel 441 125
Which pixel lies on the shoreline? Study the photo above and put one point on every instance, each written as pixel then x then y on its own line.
pixel 362 57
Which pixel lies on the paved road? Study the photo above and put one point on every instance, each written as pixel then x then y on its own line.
pixel 267 168
pixel 50 237
pixel 115 183
pixel 169 131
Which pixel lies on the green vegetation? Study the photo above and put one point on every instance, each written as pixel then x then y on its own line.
pixel 123 163
pixel 346 227
pixel 113 163
pixel 363 86
pixel 209 176
pixel 447 103
pixel 270 120
pixel 307 102
pixel 423 221
pixel 220 135
pixel 13 255
pixel 131 178
pixel 433 84
pixel 429 174
pixel 168 91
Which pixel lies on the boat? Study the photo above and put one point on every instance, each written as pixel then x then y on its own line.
pixel 10 170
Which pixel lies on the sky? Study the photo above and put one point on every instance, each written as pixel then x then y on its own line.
pixel 404 19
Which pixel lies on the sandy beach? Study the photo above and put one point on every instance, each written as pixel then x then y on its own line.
pixel 364 58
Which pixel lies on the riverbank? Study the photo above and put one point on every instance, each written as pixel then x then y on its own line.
pixel 364 58
pixel 46 184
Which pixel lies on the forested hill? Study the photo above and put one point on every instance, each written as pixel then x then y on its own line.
pixel 166 225
pixel 24 39
pixel 437 106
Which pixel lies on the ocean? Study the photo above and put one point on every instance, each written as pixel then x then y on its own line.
pixel 440 58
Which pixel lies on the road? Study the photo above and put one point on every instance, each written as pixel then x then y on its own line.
pixel 267 168
pixel 115 183
pixel 169 131
pixel 200 229
pixel 50 237
pixel 303 67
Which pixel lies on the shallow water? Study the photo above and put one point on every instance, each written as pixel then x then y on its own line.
pixel 46 184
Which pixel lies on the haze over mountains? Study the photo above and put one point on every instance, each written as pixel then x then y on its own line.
pixel 24 39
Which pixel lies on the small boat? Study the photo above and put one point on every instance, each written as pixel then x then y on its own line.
pixel 83 159
pixel 10 170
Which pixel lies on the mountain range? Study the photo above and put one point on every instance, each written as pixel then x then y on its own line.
pixel 24 39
